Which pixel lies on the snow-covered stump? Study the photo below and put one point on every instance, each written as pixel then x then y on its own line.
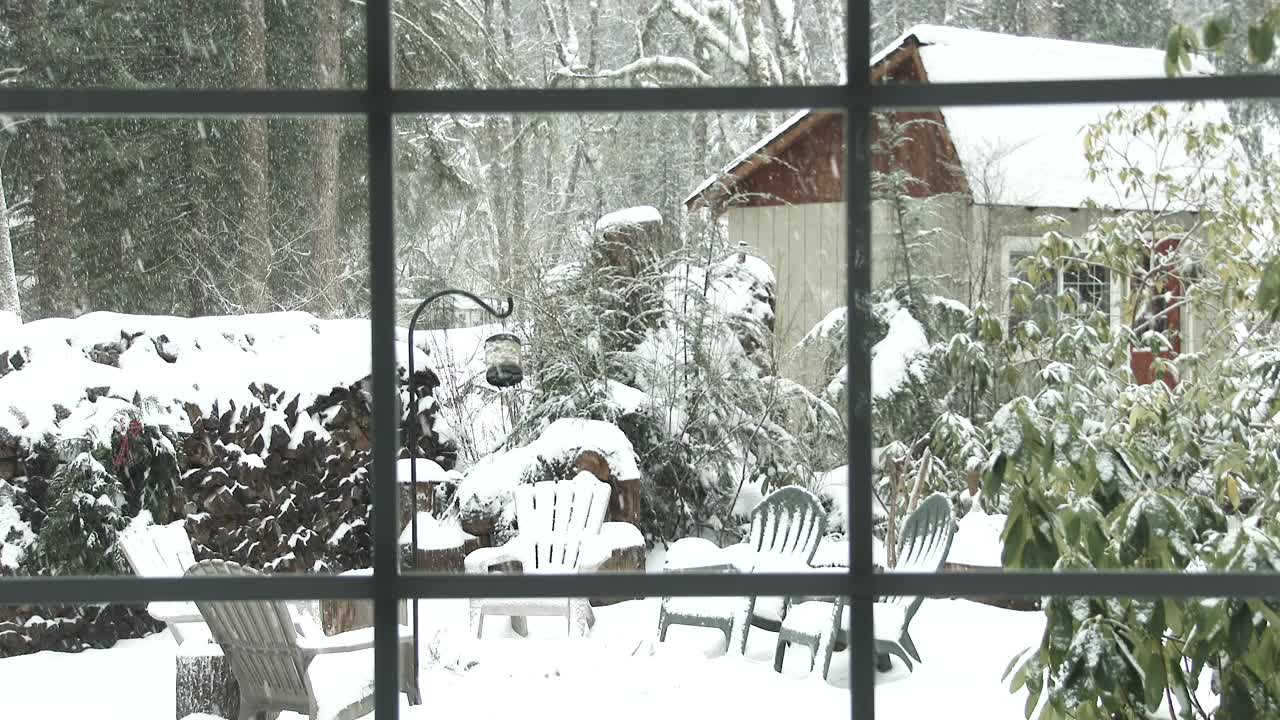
pixel 204 682
pixel 623 560
pixel 339 616
pixel 627 236
pixel 624 496
pixel 442 548
pixel 628 240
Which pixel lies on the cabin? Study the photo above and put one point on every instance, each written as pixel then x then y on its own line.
pixel 982 178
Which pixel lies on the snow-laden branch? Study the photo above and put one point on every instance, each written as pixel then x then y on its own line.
pixel 653 65
pixel 794 51
pixel 702 26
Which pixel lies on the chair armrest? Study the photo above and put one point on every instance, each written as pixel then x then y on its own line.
pixel 620 536
pixel 175 612
pixel 740 555
pixel 481 560
pixel 614 536
pixel 346 642
pixel 591 555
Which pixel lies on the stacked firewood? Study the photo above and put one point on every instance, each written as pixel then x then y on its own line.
pixel 26 629
pixel 285 487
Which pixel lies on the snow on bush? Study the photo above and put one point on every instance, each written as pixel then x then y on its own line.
pixel 75 378
pixel 487 488
pixel 15 534
pixel 898 358
pixel 628 217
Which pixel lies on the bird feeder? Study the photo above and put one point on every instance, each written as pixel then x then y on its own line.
pixel 502 355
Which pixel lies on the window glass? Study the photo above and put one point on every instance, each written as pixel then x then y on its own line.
pixel 184 353
pixel 521 43
pixel 125 45
pixel 677 339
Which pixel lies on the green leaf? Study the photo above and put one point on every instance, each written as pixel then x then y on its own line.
pixel 1151 658
pixel 1240 632
pixel 995 478
pixel 1017 662
pixel 1173 51
pixel 1216 31
pixel 1262 42
pixel 1269 289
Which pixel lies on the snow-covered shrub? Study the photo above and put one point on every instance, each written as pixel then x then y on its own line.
pixel 86 514
pixel 678 353
pixel 1098 472
pixel 145 459
pixel 920 391
pixel 486 492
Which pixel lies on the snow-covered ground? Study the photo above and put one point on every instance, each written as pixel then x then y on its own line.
pixel 619 670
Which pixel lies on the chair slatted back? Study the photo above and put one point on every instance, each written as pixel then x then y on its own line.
pixel 259 640
pixel 924 543
pixel 553 517
pixel 789 521
pixel 158 550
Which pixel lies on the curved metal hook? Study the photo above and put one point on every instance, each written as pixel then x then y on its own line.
pixel 413 323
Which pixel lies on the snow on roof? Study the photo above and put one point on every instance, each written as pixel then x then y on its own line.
pixel 1035 153
pixel 629 216
pixel 748 153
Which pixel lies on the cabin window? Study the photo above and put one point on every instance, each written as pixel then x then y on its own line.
pixel 1090 284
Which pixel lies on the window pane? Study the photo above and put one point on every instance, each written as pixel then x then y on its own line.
pixel 573 45
pixel 103 43
pixel 1159 657
pixel 117 662
pixel 961 649
pixel 1082 367
pixel 680 331
pixel 190 345
pixel 695 667
pixel 929 41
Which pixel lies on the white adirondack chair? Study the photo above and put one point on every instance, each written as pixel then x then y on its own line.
pixel 280 663
pixel 560 527
pixel 165 551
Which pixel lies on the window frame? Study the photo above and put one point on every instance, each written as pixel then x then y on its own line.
pixel 379 101
pixel 1014 248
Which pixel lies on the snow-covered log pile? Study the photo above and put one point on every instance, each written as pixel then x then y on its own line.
pixel 70 629
pixel 284 486
pixel 255 429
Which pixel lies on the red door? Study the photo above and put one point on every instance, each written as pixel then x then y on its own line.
pixel 1161 312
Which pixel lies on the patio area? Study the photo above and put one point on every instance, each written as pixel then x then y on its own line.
pixel 619 670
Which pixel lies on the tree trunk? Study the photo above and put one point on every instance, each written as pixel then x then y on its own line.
pixel 516 187
pixel 9 301
pixel 762 68
pixel 516 233
pixel 251 160
pixel 793 55
pixel 327 72
pixel 54 294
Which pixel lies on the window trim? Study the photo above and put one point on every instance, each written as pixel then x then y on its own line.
pixel 380 101
pixel 1023 245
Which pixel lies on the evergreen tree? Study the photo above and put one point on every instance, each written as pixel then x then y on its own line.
pixel 86 515
pixel 1132 23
